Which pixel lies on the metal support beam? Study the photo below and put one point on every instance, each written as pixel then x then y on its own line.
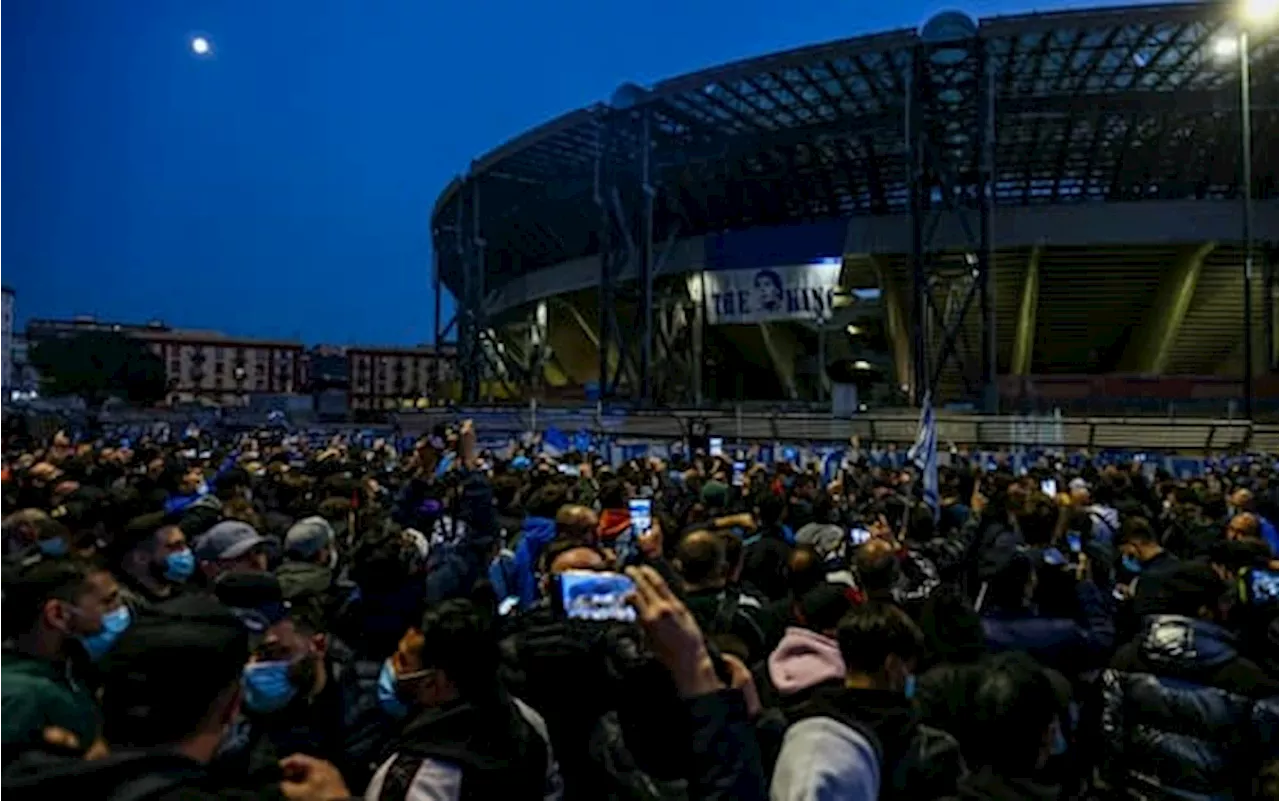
pixel 1024 337
pixel 1150 345
pixel 950 132
pixel 469 245
pixel 896 319
pixel 625 196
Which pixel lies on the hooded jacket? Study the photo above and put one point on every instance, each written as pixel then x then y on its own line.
pixel 1184 715
pixel 303 578
pixel 863 744
pixel 535 534
pixel 804 659
pixel 468 751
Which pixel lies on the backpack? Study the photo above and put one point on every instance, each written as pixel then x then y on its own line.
pixel 931 767
pixel 730 611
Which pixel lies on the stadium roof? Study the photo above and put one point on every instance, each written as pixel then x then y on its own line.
pixel 1117 104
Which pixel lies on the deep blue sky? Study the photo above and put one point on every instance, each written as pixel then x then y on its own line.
pixel 282 188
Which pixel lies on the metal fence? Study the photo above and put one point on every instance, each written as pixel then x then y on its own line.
pixel 963 430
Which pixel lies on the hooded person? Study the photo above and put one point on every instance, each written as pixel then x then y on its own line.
pixel 809 654
pixel 310 554
pixel 1182 711
pixel 538 531
pixel 861 739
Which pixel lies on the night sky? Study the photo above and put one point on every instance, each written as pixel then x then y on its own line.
pixel 281 187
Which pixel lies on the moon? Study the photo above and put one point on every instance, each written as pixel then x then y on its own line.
pixel 200 46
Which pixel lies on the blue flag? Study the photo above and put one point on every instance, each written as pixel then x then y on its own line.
pixel 925 454
pixel 554 442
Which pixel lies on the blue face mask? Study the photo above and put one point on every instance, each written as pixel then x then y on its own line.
pixel 909 686
pixel 387 698
pixel 53 547
pixel 1058 746
pixel 1131 563
pixel 179 565
pixel 114 624
pixel 267 687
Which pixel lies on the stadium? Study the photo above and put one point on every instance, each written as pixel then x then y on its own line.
pixel 1008 213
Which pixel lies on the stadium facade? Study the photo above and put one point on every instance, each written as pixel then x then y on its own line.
pixel 975 209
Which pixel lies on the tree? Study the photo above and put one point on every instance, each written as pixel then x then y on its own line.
pixel 97 365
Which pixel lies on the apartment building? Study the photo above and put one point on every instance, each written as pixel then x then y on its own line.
pixel 400 378
pixel 200 366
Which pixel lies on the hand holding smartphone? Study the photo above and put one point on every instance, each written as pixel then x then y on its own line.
pixel 591 595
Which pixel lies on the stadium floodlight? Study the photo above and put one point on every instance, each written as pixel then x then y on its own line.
pixel 862 364
pixel 1225 47
pixel 1259 10
pixel 853 330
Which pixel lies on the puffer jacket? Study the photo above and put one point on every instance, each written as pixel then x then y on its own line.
pixel 1184 716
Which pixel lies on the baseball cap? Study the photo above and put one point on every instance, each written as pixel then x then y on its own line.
pixel 229 539
pixel 715 493
pixel 255 598
pixel 308 536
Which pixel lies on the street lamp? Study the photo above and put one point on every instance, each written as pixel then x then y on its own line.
pixel 1249 12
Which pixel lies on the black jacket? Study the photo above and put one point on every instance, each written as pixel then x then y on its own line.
pixel 916 761
pixel 622 735
pixel 151 775
pixel 343 725
pixel 1183 715
pixel 497 746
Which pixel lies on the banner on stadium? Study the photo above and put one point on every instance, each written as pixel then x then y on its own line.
pixel 798 292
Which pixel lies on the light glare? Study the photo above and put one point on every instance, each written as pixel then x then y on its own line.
pixel 1225 47
pixel 1260 10
pixel 200 46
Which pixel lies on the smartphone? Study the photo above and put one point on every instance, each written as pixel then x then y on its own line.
pixel 588 595
pixel 1049 487
pixel 715 446
pixel 1073 541
pixel 739 473
pixel 641 514
pixel 569 470
pixel 858 536
pixel 1052 556
pixel 1264 586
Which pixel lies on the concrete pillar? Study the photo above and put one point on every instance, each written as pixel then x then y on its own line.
pixel 897 326
pixel 1150 345
pixel 1024 337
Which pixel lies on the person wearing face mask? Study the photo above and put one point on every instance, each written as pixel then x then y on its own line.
pixel 303 691
pixel 863 740
pixel 1142 558
pixel 463 735
pixel 57 613
pixel 158 563
pixel 170 691
pixel 31 533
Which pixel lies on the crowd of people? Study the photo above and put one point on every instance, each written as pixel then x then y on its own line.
pixel 250 616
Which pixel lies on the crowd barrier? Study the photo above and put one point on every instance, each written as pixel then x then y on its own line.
pixel 988 432
pixel 970 431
